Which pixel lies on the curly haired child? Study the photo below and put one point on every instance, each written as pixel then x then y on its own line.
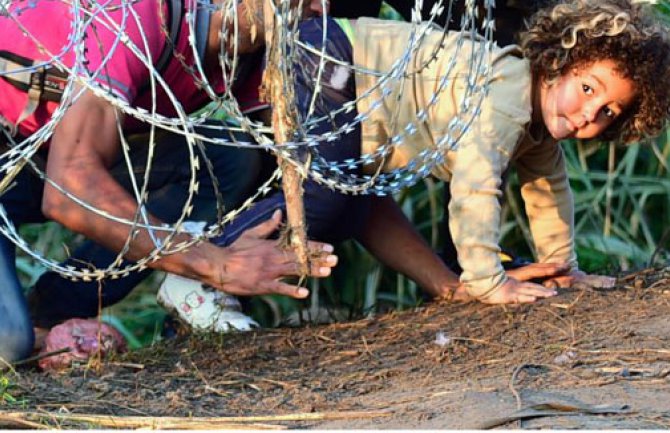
pixel 584 69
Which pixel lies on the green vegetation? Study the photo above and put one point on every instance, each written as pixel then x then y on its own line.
pixel 622 198
pixel 7 387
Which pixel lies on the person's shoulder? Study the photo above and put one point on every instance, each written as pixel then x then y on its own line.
pixel 509 65
pixel 389 26
pixel 509 92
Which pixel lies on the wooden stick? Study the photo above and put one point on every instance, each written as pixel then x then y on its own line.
pixel 283 126
pixel 42 356
pixel 12 422
pixel 620 351
pixel 185 423
pixel 134 422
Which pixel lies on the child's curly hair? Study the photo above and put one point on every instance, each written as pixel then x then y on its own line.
pixel 577 32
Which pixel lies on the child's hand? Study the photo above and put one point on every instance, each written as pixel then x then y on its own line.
pixel 580 280
pixel 514 291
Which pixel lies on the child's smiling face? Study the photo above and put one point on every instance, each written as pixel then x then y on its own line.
pixel 585 101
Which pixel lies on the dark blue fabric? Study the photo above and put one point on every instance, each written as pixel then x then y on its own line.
pixel 16 330
pixel 331 216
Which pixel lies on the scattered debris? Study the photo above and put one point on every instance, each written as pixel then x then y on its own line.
pixel 441 339
pixel 565 358
pixel 405 364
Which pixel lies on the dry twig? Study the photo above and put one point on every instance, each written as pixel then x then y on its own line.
pixel 183 423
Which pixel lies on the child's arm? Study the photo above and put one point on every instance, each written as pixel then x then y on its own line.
pixel 548 200
pixel 550 209
pixel 474 209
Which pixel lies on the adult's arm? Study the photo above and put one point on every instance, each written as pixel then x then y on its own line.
pixel 83 147
pixel 393 240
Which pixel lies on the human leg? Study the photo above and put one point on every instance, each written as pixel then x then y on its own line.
pixel 22 204
pixel 331 216
pixel 16 329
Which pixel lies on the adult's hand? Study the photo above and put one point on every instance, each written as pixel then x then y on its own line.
pixel 539 271
pixel 255 265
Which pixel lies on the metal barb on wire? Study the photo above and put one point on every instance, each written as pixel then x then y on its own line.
pixel 198 133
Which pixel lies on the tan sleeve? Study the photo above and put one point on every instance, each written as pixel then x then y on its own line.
pixel 474 210
pixel 549 203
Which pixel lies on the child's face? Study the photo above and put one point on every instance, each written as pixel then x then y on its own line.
pixel 585 101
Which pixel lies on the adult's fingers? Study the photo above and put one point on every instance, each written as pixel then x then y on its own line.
pixel 290 267
pixel 266 228
pixel 317 251
pixel 538 270
pixel 281 288
pixel 319 248
pixel 329 261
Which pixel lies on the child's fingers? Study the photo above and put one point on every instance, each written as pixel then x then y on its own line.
pixel 536 290
pixel 525 299
pixel 518 292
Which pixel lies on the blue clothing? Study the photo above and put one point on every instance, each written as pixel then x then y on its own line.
pixel 331 216
pixel 54 298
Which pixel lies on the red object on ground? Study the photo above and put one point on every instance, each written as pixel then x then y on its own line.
pixel 84 338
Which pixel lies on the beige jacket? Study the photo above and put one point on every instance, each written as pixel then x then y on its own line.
pixel 475 168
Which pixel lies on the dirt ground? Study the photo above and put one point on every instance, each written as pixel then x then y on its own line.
pixel 584 359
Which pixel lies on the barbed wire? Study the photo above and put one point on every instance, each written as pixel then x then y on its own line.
pixel 472 47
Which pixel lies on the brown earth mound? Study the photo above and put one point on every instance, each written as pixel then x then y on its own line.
pixel 584 359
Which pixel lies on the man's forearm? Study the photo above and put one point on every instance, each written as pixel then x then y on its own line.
pixel 111 199
pixel 83 146
pixel 394 241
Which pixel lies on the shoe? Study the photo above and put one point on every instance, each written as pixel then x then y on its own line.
pixel 510 261
pixel 507 259
pixel 201 308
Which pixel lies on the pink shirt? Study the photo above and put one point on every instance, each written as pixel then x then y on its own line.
pixel 50 22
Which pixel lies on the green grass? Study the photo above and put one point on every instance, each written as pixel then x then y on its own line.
pixel 622 200
pixel 7 390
